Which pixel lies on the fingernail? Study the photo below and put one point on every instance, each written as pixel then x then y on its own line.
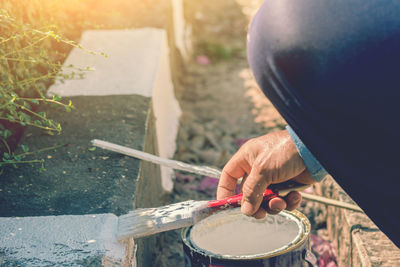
pixel 247 208
pixel 276 210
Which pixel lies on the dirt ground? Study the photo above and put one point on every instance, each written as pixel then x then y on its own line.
pixel 221 102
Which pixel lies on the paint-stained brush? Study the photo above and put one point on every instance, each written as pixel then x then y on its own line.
pixel 205 170
pixel 145 222
pixel 178 165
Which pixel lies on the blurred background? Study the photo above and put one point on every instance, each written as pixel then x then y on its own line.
pixel 221 103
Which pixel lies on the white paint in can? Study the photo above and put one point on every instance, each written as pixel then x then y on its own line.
pixel 230 233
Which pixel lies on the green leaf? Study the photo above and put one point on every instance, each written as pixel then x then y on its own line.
pixel 6 133
pixel 56 98
pixel 26 105
pixel 93 148
pixel 10 118
pixel 24 148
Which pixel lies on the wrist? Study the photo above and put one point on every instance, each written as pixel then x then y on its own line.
pixel 313 166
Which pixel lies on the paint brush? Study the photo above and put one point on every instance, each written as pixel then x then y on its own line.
pixel 178 165
pixel 205 170
pixel 149 221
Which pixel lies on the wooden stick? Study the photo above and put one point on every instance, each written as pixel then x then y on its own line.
pixel 204 170
pixel 331 202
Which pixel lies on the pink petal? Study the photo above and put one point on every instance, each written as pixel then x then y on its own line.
pixel 203 60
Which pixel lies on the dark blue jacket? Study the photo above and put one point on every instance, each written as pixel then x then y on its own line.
pixel 332 69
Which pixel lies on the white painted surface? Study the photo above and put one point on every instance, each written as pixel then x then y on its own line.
pixel 182 31
pixel 167 113
pixel 130 68
pixel 137 63
pixel 61 240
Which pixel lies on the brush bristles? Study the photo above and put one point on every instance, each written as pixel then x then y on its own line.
pixel 145 222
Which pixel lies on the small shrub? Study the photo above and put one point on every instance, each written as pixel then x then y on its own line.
pixel 28 65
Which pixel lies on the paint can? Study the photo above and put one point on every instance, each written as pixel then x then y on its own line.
pixel 230 238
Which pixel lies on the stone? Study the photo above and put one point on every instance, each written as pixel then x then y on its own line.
pixel 197 142
pixel 210 156
pixel 212 138
pixel 227 143
pixel 196 129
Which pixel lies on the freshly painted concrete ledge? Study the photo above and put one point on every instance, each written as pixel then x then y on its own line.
pixel 137 67
pixel 182 30
pixel 137 63
pixel 80 240
pixel 130 67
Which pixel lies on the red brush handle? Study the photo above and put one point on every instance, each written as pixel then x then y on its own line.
pixel 236 200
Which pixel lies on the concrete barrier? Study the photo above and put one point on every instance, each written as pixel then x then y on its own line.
pixel 129 100
pixel 137 63
pixel 80 240
pixel 182 30
pixel 358 240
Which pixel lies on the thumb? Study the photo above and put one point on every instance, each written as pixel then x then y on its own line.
pixel 253 189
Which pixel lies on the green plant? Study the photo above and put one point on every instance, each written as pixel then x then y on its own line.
pixel 27 66
pixel 35 37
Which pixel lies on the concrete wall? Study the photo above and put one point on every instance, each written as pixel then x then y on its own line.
pixel 182 30
pixel 129 100
pixel 357 239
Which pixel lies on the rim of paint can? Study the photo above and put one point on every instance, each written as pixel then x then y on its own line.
pixel 303 234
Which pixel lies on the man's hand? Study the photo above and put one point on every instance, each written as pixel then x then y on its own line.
pixel 265 160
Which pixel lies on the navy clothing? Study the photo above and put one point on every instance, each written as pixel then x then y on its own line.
pixel 331 68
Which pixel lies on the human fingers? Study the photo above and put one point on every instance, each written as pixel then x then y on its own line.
pixel 253 189
pixel 293 200
pixel 260 213
pixel 304 178
pixel 275 205
pixel 236 167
